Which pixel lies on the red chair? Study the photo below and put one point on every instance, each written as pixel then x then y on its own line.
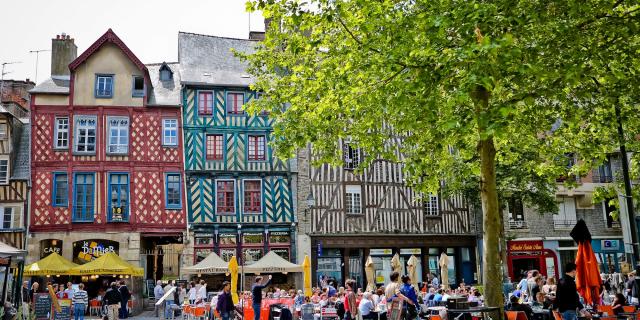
pixel 556 315
pixel 516 315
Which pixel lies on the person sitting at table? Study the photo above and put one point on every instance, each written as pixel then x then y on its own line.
pixel 515 305
pixel 619 302
pixel 446 295
pixel 366 307
pixel 475 296
pixel 438 296
pixel 377 296
pixel 540 301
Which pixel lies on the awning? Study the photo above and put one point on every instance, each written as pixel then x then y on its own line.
pixel 53 264
pixel 211 264
pixel 272 263
pixel 109 263
pixel 9 251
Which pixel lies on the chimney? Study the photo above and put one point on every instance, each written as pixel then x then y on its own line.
pixel 63 51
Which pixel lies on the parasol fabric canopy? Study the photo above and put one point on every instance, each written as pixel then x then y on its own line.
pixel 395 264
pixel 106 264
pixel 587 272
pixel 272 263
pixel 233 268
pixel 53 264
pixel 10 251
pixel 412 268
pixel 306 266
pixel 443 263
pixel 211 264
pixel 370 272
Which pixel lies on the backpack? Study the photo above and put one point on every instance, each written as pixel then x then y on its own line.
pixel 340 311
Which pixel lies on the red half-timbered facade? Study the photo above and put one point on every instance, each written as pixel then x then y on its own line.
pixel 106 157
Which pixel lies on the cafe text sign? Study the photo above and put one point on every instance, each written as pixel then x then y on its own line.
pixel 515 246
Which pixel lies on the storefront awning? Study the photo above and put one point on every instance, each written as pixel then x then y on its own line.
pixel 107 264
pixel 53 264
pixel 272 263
pixel 211 264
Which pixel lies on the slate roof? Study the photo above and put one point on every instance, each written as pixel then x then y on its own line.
pixel 164 93
pixel 53 85
pixel 21 163
pixel 209 60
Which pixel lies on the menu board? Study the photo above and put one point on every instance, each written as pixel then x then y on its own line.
pixel 65 310
pixel 395 310
pixel 42 306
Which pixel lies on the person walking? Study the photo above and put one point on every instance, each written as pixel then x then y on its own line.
pixel 126 295
pixel 112 299
pixel 350 304
pixel 567 299
pixel 409 292
pixel 193 293
pixel 80 301
pixel 26 299
pixel 202 292
pixel 256 295
pixel 68 292
pixel 225 304
pixel 158 292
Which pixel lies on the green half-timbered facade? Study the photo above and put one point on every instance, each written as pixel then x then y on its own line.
pixel 239 196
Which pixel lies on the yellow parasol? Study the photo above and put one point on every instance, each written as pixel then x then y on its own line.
pixel 395 264
pixel 106 264
pixel 306 268
pixel 370 272
pixel 233 267
pixel 49 265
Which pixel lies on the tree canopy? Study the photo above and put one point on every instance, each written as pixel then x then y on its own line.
pixel 490 94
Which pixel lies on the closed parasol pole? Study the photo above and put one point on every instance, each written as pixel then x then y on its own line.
pixel 370 273
pixel 587 271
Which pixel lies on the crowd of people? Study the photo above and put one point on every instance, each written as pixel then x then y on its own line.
pixel 113 299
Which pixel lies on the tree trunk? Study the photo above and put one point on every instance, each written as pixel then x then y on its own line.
pixel 492 224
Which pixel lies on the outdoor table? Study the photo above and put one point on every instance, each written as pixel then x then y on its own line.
pixel 481 310
pixel 543 314
pixel 628 315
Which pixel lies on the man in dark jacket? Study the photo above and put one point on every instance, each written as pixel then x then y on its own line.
pixel 125 295
pixel 225 303
pixel 112 299
pixel 567 299
pixel 256 295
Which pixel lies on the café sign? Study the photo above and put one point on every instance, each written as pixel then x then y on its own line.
pixel 87 250
pixel 515 246
pixel 49 246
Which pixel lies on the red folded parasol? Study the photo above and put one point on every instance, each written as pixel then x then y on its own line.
pixel 587 272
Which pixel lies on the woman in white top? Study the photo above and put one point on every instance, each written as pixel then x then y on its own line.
pixel 192 292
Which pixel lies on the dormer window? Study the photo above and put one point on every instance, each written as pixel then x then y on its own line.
pixel 165 73
pixel 138 86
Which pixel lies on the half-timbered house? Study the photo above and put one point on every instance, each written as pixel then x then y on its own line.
pixel 106 155
pixel 239 196
pixel 354 215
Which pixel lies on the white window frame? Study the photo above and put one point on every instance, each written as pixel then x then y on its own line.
pixel 261 196
pixel 165 127
pixel 76 130
pixel 567 214
pixel 351 162
pixel 4 161
pixel 351 191
pixel 13 217
pixel 121 125
pixel 4 130
pixel 428 205
pixel 58 130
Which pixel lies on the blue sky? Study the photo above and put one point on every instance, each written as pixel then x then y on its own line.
pixel 150 27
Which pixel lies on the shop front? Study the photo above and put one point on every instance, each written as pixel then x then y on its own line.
pixel 338 258
pixel 523 256
pixel 610 254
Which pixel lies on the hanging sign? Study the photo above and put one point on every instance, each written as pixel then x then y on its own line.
pixel 88 250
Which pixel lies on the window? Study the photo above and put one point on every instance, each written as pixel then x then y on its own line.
pixel 170 132
pixel 61 133
pixel 256 148
pixel 119 197
pixel 235 100
pixel 205 103
pixel 4 129
pixel 252 196
pixel 609 211
pixel 165 73
pixel 83 205
pixel 214 147
pixel 118 135
pixel 138 86
pixel 60 190
pixel 4 171
pixel 351 156
pixel 7 218
pixel 104 86
pixel 566 216
pixel 515 211
pixel 430 205
pixel 353 200
pixel 604 174
pixel 225 196
pixel 85 134
pixel 173 197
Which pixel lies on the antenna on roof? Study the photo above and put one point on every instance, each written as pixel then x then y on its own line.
pixel 2 73
pixel 37 52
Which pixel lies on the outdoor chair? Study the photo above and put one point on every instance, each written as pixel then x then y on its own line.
pixel 516 315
